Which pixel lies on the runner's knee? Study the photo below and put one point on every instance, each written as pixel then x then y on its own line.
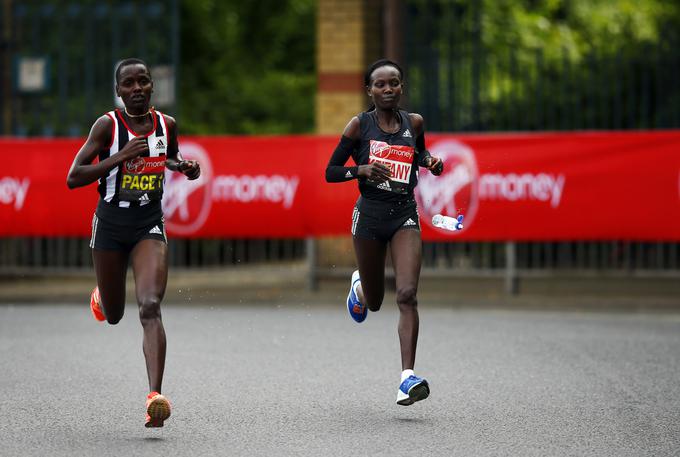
pixel 149 308
pixel 406 297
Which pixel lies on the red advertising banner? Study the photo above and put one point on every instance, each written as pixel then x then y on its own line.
pixel 550 186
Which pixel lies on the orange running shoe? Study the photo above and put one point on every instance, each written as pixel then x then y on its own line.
pixel 95 299
pixel 157 410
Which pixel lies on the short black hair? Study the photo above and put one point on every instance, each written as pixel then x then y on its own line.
pixel 378 64
pixel 130 61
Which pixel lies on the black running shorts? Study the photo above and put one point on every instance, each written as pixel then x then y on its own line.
pixel 376 220
pixel 109 236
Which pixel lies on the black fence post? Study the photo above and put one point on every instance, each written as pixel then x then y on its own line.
pixel 476 64
pixel 539 122
pixel 6 67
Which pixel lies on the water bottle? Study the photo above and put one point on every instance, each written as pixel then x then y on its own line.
pixel 448 222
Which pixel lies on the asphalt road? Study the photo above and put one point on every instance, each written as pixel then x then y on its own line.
pixel 296 380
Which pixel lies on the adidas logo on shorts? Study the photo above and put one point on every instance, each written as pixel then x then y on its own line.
pixel 144 198
pixel 155 230
pixel 409 222
pixel 348 174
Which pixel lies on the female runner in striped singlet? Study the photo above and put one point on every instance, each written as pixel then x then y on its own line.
pixel 133 147
pixel 388 145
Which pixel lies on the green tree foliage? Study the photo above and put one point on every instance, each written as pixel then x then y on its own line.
pixel 545 64
pixel 247 67
pixel 580 26
pixel 582 63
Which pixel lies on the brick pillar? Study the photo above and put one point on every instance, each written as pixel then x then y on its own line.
pixel 349 37
pixel 340 62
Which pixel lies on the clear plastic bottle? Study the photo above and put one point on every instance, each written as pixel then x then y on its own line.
pixel 448 222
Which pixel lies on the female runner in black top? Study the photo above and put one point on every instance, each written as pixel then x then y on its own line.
pixel 388 146
pixel 133 147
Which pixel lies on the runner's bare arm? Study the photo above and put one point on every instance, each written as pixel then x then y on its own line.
pixel 336 171
pixel 83 171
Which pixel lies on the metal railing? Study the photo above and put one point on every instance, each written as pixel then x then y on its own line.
pixel 38 255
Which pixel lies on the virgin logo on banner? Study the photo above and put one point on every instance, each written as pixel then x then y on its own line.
pixel 186 204
pixel 456 190
pixel 461 188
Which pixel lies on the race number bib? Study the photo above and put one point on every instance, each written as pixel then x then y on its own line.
pixel 142 179
pixel 400 160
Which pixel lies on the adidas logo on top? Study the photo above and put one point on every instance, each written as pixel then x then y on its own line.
pixel 407 134
pixel 160 144
pixel 384 185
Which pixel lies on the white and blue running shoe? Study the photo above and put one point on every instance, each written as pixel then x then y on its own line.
pixel 355 309
pixel 411 390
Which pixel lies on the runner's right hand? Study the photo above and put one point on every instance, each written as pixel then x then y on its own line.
pixel 134 148
pixel 374 172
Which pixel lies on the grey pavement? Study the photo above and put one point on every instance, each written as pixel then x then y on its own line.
pixel 304 380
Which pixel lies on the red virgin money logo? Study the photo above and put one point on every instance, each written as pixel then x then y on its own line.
pixel 186 204
pixel 379 149
pixel 455 191
pixel 135 165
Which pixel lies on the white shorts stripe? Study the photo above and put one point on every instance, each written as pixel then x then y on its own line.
pixel 95 221
pixel 355 220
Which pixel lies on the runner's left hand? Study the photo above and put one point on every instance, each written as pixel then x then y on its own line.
pixel 189 168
